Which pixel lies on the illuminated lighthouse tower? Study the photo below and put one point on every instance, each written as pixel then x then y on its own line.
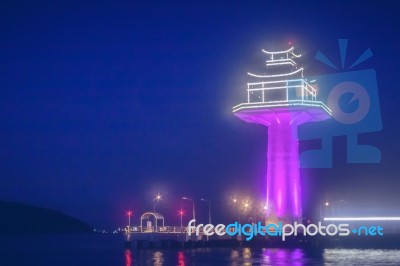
pixel 282 100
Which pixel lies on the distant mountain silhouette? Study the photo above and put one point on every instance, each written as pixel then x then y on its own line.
pixel 18 218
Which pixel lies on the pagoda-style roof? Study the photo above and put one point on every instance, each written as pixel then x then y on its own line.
pixel 282 57
pixel 289 51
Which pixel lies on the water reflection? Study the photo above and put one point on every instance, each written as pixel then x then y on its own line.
pixel 262 256
pixel 234 254
pixel 246 256
pixel 158 259
pixel 181 258
pixel 106 249
pixel 361 256
pixel 128 257
pixel 283 256
pixel 241 257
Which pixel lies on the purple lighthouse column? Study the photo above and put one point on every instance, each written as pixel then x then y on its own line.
pixel 283 172
pixel 283 177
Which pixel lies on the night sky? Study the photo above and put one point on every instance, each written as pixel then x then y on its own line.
pixel 106 103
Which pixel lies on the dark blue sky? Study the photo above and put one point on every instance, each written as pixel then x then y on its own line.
pixel 105 103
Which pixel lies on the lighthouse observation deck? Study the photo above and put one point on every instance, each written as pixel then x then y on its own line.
pixel 288 89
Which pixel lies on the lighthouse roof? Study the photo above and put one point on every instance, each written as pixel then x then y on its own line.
pixel 289 51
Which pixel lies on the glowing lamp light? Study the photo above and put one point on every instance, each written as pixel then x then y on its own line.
pixel 129 213
pixel 156 201
pixel 181 213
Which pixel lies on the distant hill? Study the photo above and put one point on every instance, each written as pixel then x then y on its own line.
pixel 17 218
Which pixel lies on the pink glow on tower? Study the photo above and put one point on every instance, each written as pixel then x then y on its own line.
pixel 282 102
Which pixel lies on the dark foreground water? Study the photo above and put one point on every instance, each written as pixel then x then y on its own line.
pixel 109 250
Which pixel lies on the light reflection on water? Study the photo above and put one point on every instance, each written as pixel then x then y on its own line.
pixel 361 256
pixel 268 256
pixel 158 258
pixel 295 257
pixel 181 258
pixel 128 257
pixel 84 250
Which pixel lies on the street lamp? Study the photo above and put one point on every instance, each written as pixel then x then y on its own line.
pixel 234 200
pixel 263 210
pixel 324 212
pixel 194 215
pixel 156 200
pixel 209 212
pixel 129 213
pixel 246 206
pixel 335 206
pixel 181 212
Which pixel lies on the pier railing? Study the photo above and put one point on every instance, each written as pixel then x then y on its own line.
pixel 158 229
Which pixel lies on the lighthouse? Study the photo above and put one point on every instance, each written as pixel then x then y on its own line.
pixel 282 99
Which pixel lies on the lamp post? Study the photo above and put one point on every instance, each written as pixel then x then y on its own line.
pixel 264 211
pixel 209 212
pixel 129 213
pixel 194 215
pixel 234 200
pixel 335 206
pixel 181 214
pixel 156 200
pixel 246 206
pixel 326 204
